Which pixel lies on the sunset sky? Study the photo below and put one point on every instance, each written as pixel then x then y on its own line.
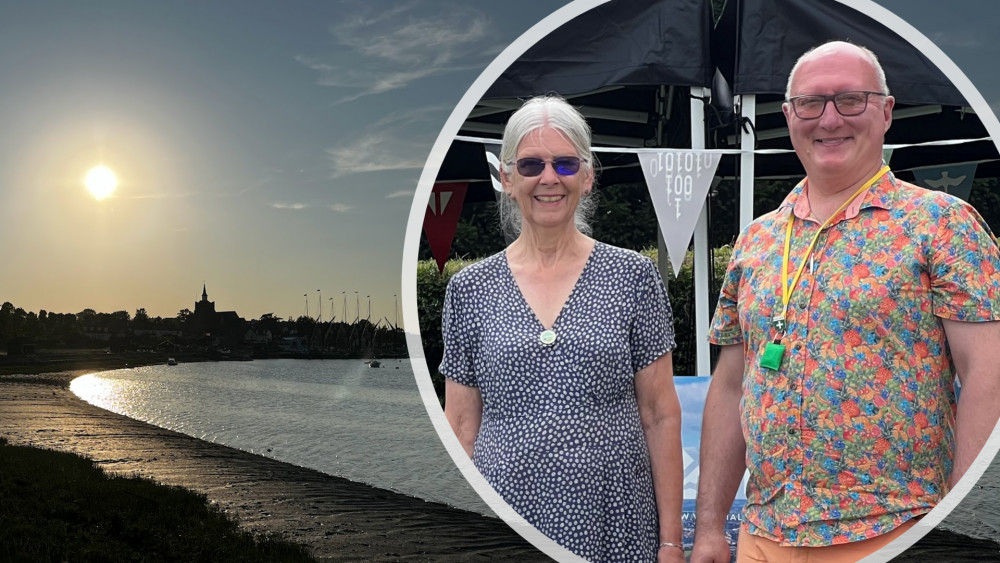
pixel 266 149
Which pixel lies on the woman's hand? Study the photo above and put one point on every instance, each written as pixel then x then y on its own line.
pixel 668 554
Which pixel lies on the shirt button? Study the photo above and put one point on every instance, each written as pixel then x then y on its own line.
pixel 793 386
pixel 792 431
pixel 797 347
pixel 802 306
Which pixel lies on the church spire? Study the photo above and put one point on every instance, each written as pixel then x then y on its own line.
pixel 204 293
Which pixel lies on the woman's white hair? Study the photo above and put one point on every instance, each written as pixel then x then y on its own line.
pixel 538 112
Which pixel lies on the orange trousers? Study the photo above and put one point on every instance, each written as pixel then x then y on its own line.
pixel 755 549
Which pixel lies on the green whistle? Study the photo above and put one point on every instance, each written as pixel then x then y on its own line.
pixel 773 353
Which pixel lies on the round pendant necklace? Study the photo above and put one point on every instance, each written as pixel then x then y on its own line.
pixel 547 337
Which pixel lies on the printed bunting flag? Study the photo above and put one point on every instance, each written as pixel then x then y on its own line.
pixel 678 181
pixel 955 179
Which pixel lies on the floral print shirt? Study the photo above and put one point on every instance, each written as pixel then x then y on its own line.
pixel 852 435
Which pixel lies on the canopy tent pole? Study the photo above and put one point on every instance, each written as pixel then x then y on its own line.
pixel 701 250
pixel 747 111
pixel 662 260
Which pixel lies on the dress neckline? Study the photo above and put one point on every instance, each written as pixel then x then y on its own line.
pixel 569 299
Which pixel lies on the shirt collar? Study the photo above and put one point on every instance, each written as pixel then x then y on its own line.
pixel 880 195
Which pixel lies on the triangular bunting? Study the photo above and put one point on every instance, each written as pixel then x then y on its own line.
pixel 678 181
pixel 955 179
pixel 493 159
pixel 443 211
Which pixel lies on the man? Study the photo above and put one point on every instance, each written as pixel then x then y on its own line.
pixel 843 319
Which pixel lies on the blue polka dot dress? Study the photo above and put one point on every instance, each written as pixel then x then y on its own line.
pixel 561 440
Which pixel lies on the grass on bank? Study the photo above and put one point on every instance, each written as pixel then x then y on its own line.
pixel 57 506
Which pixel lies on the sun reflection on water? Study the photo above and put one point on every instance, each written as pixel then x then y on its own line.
pixel 98 390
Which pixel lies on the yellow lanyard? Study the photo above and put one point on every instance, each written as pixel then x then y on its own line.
pixel 786 290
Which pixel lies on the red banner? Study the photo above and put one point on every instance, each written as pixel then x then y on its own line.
pixel 443 212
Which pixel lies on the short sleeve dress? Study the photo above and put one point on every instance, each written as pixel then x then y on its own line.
pixel 561 440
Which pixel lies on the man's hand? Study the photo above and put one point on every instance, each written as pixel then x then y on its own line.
pixel 710 547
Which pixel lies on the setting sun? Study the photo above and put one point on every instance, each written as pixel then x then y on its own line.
pixel 101 182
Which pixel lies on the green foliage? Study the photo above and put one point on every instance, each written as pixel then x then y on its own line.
pixel 680 290
pixel 431 288
pixel 625 216
pixel 141 318
pixel 985 197
pixel 57 506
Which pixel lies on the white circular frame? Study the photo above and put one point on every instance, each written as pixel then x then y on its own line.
pixel 412 241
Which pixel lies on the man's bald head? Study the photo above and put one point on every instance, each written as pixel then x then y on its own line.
pixel 836 47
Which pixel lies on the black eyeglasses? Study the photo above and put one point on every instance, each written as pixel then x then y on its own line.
pixel 563 165
pixel 848 104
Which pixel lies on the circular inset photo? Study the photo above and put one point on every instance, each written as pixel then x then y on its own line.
pixel 686 271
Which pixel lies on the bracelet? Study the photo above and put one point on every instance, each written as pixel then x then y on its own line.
pixel 671 544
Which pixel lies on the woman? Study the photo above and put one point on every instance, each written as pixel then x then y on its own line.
pixel 557 358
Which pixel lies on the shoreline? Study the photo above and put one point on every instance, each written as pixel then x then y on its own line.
pixel 337 519
pixel 102 361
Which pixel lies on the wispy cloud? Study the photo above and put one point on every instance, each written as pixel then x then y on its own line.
pixel 965 40
pixel 398 141
pixel 438 40
pixel 377 152
pixel 293 206
pixel 385 47
pixel 400 193
pixel 240 189
pixel 380 50
pixel 341 208
pixel 413 115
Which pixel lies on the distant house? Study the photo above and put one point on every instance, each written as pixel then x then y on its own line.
pixel 228 321
pixel 157 332
pixel 257 337
pixel 168 346
pixel 100 333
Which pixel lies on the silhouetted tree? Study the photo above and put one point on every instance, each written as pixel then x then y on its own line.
pixel 268 321
pixel 304 326
pixel 141 318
